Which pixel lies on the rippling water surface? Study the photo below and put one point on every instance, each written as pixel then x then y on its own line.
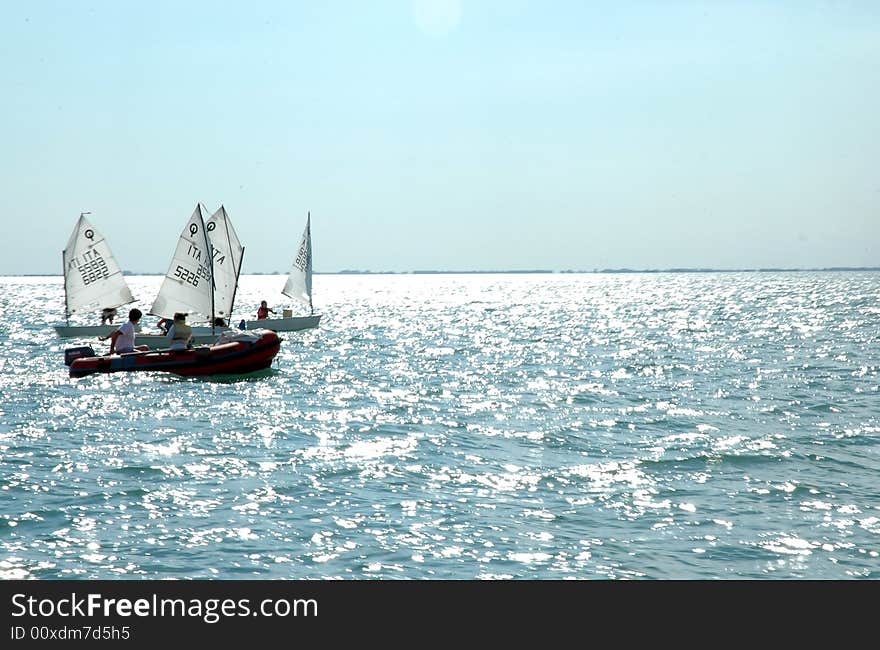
pixel 464 426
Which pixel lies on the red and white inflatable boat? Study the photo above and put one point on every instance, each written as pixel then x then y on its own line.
pixel 235 354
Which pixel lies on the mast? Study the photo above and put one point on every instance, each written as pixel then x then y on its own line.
pixel 64 281
pixel 237 268
pixel 309 229
pixel 209 249
pixel 235 288
pixel 64 272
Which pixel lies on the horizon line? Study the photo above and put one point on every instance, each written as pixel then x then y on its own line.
pixel 622 270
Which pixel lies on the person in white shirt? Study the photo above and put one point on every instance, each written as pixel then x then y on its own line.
pixel 122 339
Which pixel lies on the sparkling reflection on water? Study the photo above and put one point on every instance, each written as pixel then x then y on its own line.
pixel 464 426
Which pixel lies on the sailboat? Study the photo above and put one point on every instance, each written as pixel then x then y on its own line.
pixel 189 284
pixel 227 254
pixel 92 279
pixel 298 287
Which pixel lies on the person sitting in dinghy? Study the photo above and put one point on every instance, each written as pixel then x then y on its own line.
pixel 180 333
pixel 107 315
pixel 264 310
pixel 122 339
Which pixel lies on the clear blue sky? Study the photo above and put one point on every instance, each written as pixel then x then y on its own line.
pixel 491 134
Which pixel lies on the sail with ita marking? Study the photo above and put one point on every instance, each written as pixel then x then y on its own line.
pixel 92 278
pixel 299 281
pixel 227 253
pixel 188 285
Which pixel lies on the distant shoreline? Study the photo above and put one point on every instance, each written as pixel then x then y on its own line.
pixel 523 272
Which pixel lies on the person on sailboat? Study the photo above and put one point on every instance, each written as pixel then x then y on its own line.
pixel 107 315
pixel 180 333
pixel 122 339
pixel 263 311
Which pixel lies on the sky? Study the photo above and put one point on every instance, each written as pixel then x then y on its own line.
pixel 446 134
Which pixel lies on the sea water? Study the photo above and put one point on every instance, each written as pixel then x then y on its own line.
pixel 548 426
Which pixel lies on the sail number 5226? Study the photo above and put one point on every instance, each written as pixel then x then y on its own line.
pixel 187 276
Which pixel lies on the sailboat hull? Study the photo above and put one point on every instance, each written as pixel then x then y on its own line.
pixel 200 336
pixel 85 331
pixel 205 336
pixel 293 324
pixel 92 280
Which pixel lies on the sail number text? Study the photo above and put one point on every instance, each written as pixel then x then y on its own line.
pixel 191 277
pixel 91 267
pixel 187 276
pixel 302 257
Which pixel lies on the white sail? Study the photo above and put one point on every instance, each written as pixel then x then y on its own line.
pixel 92 278
pixel 227 253
pixel 299 282
pixel 187 286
